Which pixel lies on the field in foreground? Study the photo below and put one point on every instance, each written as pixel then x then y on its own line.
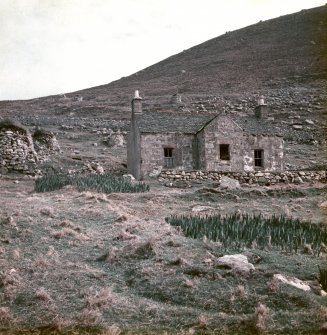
pixel 85 262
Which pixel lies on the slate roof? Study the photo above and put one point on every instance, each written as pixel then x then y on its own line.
pixel 167 122
pixel 254 126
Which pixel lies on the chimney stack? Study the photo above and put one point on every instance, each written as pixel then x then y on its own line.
pixel 261 110
pixel 136 104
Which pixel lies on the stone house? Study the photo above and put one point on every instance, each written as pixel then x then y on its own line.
pixel 165 140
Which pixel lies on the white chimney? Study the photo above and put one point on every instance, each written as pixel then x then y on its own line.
pixel 261 101
pixel 261 110
pixel 137 104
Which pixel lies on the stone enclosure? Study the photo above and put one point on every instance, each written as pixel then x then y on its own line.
pixel 20 150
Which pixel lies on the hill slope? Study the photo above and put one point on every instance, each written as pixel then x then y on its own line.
pixel 281 52
pixel 286 50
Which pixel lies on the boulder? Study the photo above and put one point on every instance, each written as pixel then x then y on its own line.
pixel 292 281
pixel 129 176
pixel 323 204
pixel 229 183
pixel 237 262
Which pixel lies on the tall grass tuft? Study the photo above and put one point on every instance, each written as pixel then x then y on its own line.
pixel 105 183
pixel 239 230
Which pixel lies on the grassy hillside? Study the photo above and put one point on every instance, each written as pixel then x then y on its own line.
pixel 288 51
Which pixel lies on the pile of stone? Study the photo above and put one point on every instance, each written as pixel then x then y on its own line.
pixel 261 178
pixel 93 167
pixel 17 151
pixel 115 139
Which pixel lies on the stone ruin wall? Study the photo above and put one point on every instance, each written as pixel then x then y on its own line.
pixel 18 153
pixel 46 145
pixel 261 178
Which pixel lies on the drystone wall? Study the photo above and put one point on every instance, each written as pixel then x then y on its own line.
pixel 45 144
pixel 16 151
pixel 20 151
pixel 261 178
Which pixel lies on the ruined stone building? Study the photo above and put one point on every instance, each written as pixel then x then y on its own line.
pixel 202 142
pixel 20 150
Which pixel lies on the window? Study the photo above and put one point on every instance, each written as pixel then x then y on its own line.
pixel 168 157
pixel 258 158
pixel 224 152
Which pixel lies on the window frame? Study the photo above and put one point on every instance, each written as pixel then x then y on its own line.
pixel 168 156
pixel 258 155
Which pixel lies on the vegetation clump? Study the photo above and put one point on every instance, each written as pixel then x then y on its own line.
pixel 13 125
pixel 239 230
pixel 105 183
pixel 40 134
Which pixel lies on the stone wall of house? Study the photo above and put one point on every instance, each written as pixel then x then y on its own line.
pixel 223 130
pixel 273 152
pixel 16 151
pixel 261 178
pixel 152 152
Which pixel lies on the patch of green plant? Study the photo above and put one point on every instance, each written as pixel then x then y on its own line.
pixel 105 183
pixel 239 230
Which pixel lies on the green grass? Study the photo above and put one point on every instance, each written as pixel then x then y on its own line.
pixel 238 230
pixel 101 183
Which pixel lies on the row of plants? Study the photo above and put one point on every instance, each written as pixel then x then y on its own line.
pixel 239 230
pixel 105 183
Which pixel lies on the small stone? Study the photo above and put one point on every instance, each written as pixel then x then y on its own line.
pixel 297 127
pixel 129 176
pixel 298 180
pixel 309 122
pixel 323 204
pixel 200 208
